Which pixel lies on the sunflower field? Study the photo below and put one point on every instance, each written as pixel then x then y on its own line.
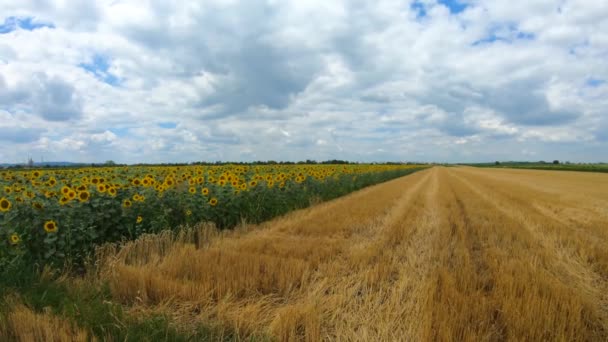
pixel 54 216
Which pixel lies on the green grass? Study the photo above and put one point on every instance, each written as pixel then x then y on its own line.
pixel 547 166
pixel 90 307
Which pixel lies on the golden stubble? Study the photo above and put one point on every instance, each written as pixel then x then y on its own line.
pixel 443 254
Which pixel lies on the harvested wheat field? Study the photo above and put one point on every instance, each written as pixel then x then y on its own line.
pixel 459 254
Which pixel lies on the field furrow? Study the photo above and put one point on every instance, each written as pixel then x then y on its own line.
pixel 444 254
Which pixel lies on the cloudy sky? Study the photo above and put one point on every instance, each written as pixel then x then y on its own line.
pixel 377 80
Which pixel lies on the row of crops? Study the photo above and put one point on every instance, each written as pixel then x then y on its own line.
pixel 50 216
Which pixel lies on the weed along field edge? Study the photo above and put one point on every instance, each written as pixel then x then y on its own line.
pixel 455 253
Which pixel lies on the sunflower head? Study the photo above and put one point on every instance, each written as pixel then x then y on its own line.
pixel 139 219
pixel 5 205
pixel 50 226
pixel 14 239
pixel 84 196
pixel 205 191
pixel 192 190
pixel 127 204
pixel 213 201
pixel 64 200
pixel 112 191
pixel 188 212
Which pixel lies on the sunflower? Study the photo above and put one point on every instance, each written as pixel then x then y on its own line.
pixel 50 226
pixel 65 189
pixel 136 182
pixel 192 190
pixel 8 190
pixel 84 196
pixel 213 201
pixel 139 219
pixel 14 239
pixel 205 191
pixel 221 182
pixel 253 184
pixel 243 186
pixel 127 204
pixel 188 212
pixel 112 191
pixel 64 200
pixel 5 205
pixel 101 188
pixel 38 205
pixel 72 195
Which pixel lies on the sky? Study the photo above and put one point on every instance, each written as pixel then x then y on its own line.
pixel 380 80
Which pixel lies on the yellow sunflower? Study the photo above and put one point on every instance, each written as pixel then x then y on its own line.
pixel 140 219
pixel 127 204
pixel 213 201
pixel 192 190
pixel 84 196
pixel 205 191
pixel 50 226
pixel 14 239
pixel 5 205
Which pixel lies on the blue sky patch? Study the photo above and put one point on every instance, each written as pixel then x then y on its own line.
pixel 120 131
pixel 167 125
pixel 419 9
pixel 14 23
pixel 508 34
pixel 99 66
pixel 594 82
pixel 454 6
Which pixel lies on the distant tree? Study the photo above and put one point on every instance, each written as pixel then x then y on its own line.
pixel 556 162
pixel 109 163
pixel 497 163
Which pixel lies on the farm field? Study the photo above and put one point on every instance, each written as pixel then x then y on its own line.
pixel 601 167
pixel 57 216
pixel 459 253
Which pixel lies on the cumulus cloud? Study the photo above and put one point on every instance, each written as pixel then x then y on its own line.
pixel 365 80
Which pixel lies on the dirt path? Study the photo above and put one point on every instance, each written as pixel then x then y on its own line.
pixel 443 254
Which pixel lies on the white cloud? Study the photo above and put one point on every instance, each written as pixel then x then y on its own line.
pixel 181 81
